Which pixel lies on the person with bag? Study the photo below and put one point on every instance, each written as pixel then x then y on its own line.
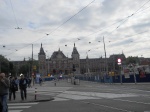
pixel 13 88
pixel 23 87
pixel 4 88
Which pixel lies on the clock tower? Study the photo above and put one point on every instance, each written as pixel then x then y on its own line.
pixel 42 61
pixel 76 60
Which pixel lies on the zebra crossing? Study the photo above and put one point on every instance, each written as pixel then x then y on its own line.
pixel 19 107
pixel 77 95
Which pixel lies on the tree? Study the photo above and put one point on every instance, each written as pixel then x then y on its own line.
pixel 24 69
pixel 27 67
pixel 4 64
pixel 131 59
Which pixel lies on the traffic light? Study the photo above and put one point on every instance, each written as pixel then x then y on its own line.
pixel 119 61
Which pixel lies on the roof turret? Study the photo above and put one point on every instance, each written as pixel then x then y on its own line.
pixel 41 51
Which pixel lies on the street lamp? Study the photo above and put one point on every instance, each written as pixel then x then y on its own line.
pixel 105 56
pixel 48 66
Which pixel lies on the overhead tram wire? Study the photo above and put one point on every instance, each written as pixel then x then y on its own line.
pixel 70 19
pixel 24 46
pixel 132 14
pixel 17 50
pixel 122 20
pixel 55 28
pixel 14 15
pixel 128 17
pixel 142 6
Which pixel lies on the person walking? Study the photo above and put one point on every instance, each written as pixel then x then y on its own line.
pixel 4 88
pixel 13 88
pixel 23 87
pixel 40 81
pixel 29 82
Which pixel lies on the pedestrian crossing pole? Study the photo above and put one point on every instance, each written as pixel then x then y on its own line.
pixel 120 65
pixel 35 94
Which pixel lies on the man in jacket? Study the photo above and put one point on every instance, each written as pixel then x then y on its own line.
pixel 4 89
pixel 23 87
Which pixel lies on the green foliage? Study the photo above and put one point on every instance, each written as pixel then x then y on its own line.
pixel 24 69
pixel 131 59
pixel 4 64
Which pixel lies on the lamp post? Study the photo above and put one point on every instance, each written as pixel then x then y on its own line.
pixel 48 66
pixel 106 64
pixel 88 71
pixel 32 67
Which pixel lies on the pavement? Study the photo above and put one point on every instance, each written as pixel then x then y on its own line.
pixel 48 91
pixel 87 96
pixel 31 97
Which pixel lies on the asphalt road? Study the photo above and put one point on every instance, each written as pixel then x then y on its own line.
pixel 93 97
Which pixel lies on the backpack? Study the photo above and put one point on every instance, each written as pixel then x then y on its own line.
pixel 14 86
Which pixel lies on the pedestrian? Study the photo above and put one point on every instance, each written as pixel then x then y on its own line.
pixel 23 87
pixel 4 88
pixel 55 81
pixel 29 82
pixel 40 81
pixel 13 88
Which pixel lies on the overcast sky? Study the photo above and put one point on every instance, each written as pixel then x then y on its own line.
pixel 124 24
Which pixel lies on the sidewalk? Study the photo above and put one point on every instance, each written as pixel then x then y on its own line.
pixel 30 98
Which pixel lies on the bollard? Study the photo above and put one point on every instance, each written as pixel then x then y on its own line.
pixel 55 82
pixel 35 93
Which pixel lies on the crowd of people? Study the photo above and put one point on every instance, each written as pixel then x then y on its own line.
pixel 9 86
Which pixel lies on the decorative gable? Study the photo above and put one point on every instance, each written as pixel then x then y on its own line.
pixel 58 55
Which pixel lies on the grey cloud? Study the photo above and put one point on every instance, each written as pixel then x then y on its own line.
pixel 123 42
pixel 141 27
pixel 109 7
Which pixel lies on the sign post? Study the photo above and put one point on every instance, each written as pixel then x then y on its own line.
pixel 120 66
pixel 133 67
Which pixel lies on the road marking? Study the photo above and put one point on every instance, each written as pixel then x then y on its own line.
pixel 107 106
pixel 60 99
pixel 18 107
pixel 98 95
pixel 76 97
pixel 15 110
pixel 132 101
pixel 13 104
